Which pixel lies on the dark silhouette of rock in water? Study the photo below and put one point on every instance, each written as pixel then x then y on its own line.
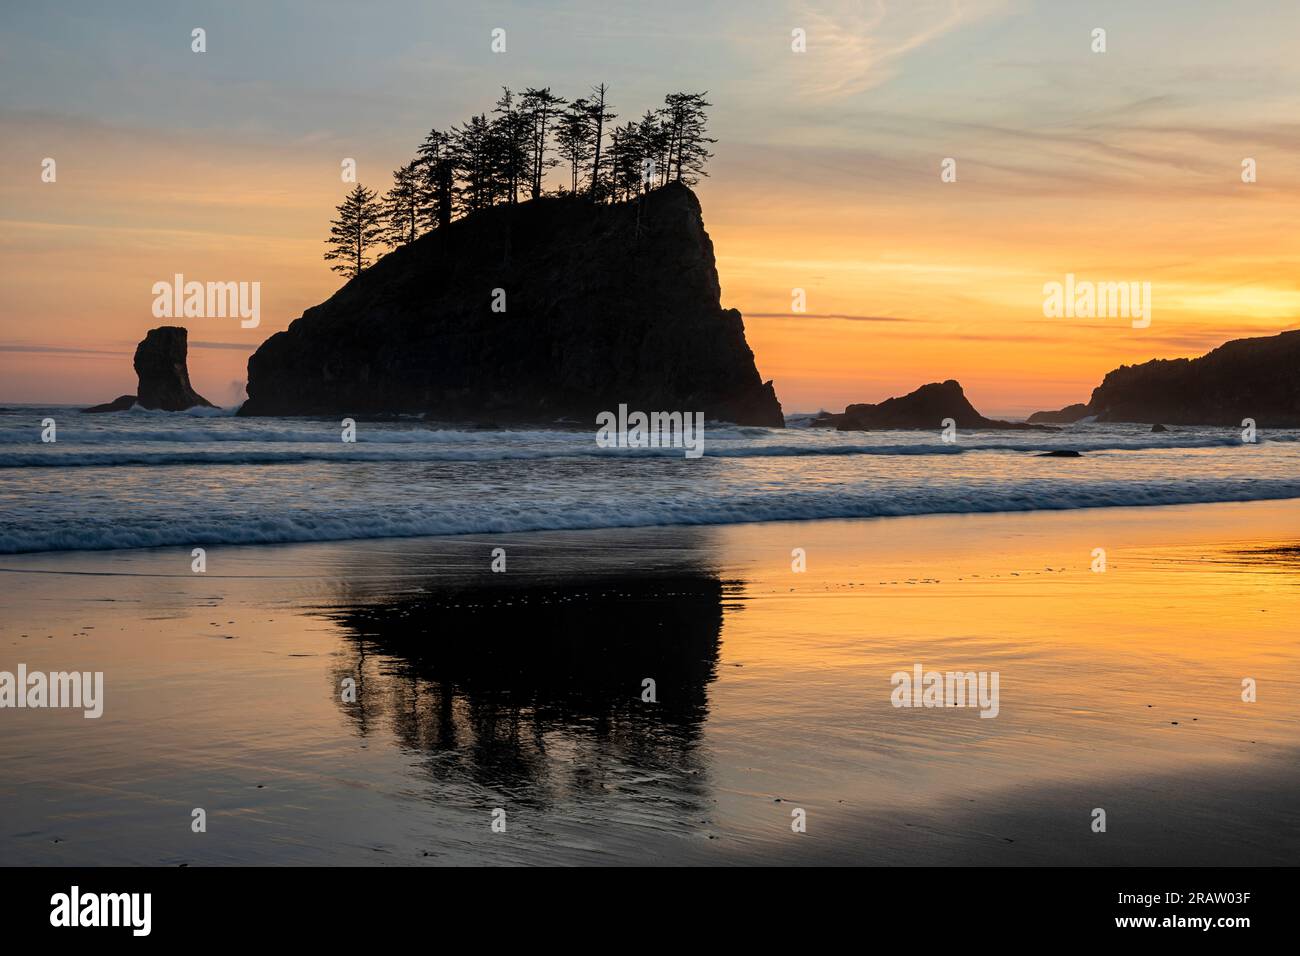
pixel 1059 453
pixel 1157 427
pixel 926 407
pixel 120 404
pixel 1255 378
pixel 164 378
pixel 598 305
pixel 1066 416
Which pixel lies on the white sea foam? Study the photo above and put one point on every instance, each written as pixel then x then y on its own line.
pixel 160 479
pixel 261 445
pixel 185 528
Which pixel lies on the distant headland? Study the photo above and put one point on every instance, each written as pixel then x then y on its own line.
pixel 1256 378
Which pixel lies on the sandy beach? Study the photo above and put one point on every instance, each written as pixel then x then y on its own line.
pixel 523 691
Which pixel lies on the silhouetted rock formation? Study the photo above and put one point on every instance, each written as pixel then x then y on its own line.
pixel 163 378
pixel 823 419
pixel 556 694
pixel 122 403
pixel 1067 415
pixel 926 407
pixel 603 305
pixel 1255 378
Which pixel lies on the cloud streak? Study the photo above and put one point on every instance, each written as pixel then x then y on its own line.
pixel 826 315
pixel 855 49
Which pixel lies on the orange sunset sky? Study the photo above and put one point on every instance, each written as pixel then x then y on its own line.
pixel 1116 166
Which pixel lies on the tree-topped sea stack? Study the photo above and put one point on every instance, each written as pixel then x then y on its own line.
pixel 601 304
pixel 501 302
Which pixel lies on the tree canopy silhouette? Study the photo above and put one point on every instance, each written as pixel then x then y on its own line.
pixel 493 158
pixel 357 229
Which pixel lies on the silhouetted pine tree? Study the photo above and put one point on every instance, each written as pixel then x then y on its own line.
pixel 628 155
pixel 540 108
pixel 357 229
pixel 653 136
pixel 598 116
pixel 684 116
pixel 573 138
pixel 437 178
pixel 474 145
pixel 404 205
pixel 510 141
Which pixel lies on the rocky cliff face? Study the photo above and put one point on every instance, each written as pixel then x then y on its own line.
pixel 602 305
pixel 162 373
pixel 1255 378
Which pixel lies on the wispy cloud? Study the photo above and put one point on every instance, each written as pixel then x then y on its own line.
pixel 68 350
pixel 58 350
pixel 826 315
pixel 854 47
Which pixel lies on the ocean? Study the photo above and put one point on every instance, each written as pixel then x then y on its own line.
pixel 155 479
pixel 677 664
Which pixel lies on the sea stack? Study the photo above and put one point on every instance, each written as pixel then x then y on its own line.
pixel 552 309
pixel 925 408
pixel 162 373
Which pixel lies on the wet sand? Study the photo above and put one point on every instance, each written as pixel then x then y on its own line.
pixel 522 691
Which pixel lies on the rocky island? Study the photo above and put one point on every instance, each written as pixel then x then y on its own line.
pixel 926 407
pixel 545 310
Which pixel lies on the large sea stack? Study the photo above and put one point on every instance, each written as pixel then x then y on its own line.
pixel 1246 378
pixel 602 305
pixel 163 377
